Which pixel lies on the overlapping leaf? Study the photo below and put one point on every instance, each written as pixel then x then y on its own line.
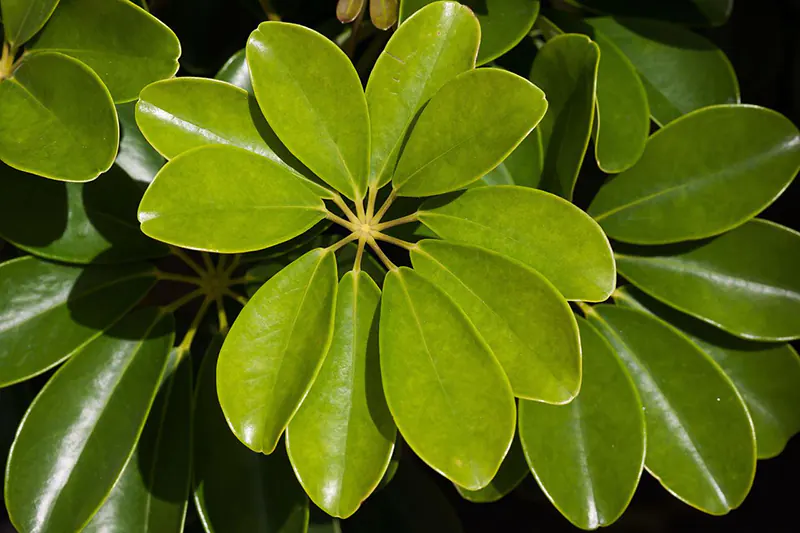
pixel 22 19
pixel 236 72
pixel 691 12
pixel 511 473
pixel 136 156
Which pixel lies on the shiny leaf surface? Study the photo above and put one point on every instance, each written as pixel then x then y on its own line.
pixel 275 349
pixel 311 95
pixel 513 470
pixel 469 126
pixel 65 125
pixel 342 436
pixel 700 440
pixel 236 72
pixel 524 319
pixel 447 393
pixel 91 222
pixel 193 204
pixel 22 19
pixel 82 428
pixel 744 281
pixel 504 23
pixel 124 44
pixel 546 233
pixel 588 455
pixel 700 176
pixel 50 311
pixel 235 489
pixel 766 375
pixel 151 494
pixel 427 50
pixel 681 71
pixel 566 70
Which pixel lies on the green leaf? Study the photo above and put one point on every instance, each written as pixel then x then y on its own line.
pixel 447 393
pixel 691 12
pixel 744 281
pixel 766 375
pixel 504 23
pixel 151 494
pixel 192 204
pixel 588 455
pixel 681 71
pixel 700 440
pixel 383 13
pixel 124 44
pixel 513 470
pixel 311 95
pixel 466 130
pixel 236 72
pixel 275 349
pixel 704 174
pixel 548 234
pixel 237 490
pixel 82 428
pixel 91 222
pixel 427 50
pixel 136 156
pixel 523 166
pixel 342 436
pixel 50 311
pixel 566 70
pixel 22 19
pixel 411 502
pixel 524 319
pixel 65 125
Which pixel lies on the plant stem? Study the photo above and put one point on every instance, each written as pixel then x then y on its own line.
pixel 585 308
pixel 234 265
pixel 238 297
pixel 352 42
pixel 223 260
pixel 183 256
pixel 266 5
pixel 338 244
pixel 359 254
pixel 372 195
pixel 186 343
pixel 169 276
pixel 413 217
pixel 222 317
pixel 240 281
pixel 209 264
pixel 392 240
pixel 180 302
pixel 6 61
pixel 377 249
pixel 340 203
pixel 362 216
pixel 344 223
pixel 385 207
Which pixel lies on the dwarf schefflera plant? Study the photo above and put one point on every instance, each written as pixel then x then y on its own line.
pixel 441 350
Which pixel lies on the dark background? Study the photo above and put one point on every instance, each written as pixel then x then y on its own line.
pixel 762 40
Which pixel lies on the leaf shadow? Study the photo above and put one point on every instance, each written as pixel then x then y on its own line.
pixel 33 210
pixel 664 33
pixel 376 398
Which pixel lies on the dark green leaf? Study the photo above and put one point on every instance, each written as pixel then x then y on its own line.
pixel 700 440
pixel 65 125
pixel 588 455
pixel 311 95
pixel 124 44
pixel 428 50
pixel 469 126
pixel 545 232
pixel 566 70
pixel 744 281
pixel 82 428
pixel 513 470
pixel 504 23
pixel 136 156
pixel 766 375
pixel 91 222
pixel 524 319
pixel 191 203
pixel 50 311
pixel 342 436
pixel 447 393
pixel 691 12
pixel 22 19
pixel 151 494
pixel 236 72
pixel 681 70
pixel 237 490
pixel 701 175
pixel 275 349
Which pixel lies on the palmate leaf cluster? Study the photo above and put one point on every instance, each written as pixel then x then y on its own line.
pixel 416 277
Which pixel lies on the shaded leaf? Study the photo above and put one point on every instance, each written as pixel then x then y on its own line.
pixel 124 44
pixel 447 393
pixel 469 126
pixel 700 440
pixel 50 311
pixel 191 203
pixel 513 470
pixel 588 455
pixel 548 234
pixel 65 125
pixel 566 70
pixel 275 349
pixel 82 428
pixel 691 12
pixel 236 72
pixel 701 175
pixel 136 156
pixel 22 19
